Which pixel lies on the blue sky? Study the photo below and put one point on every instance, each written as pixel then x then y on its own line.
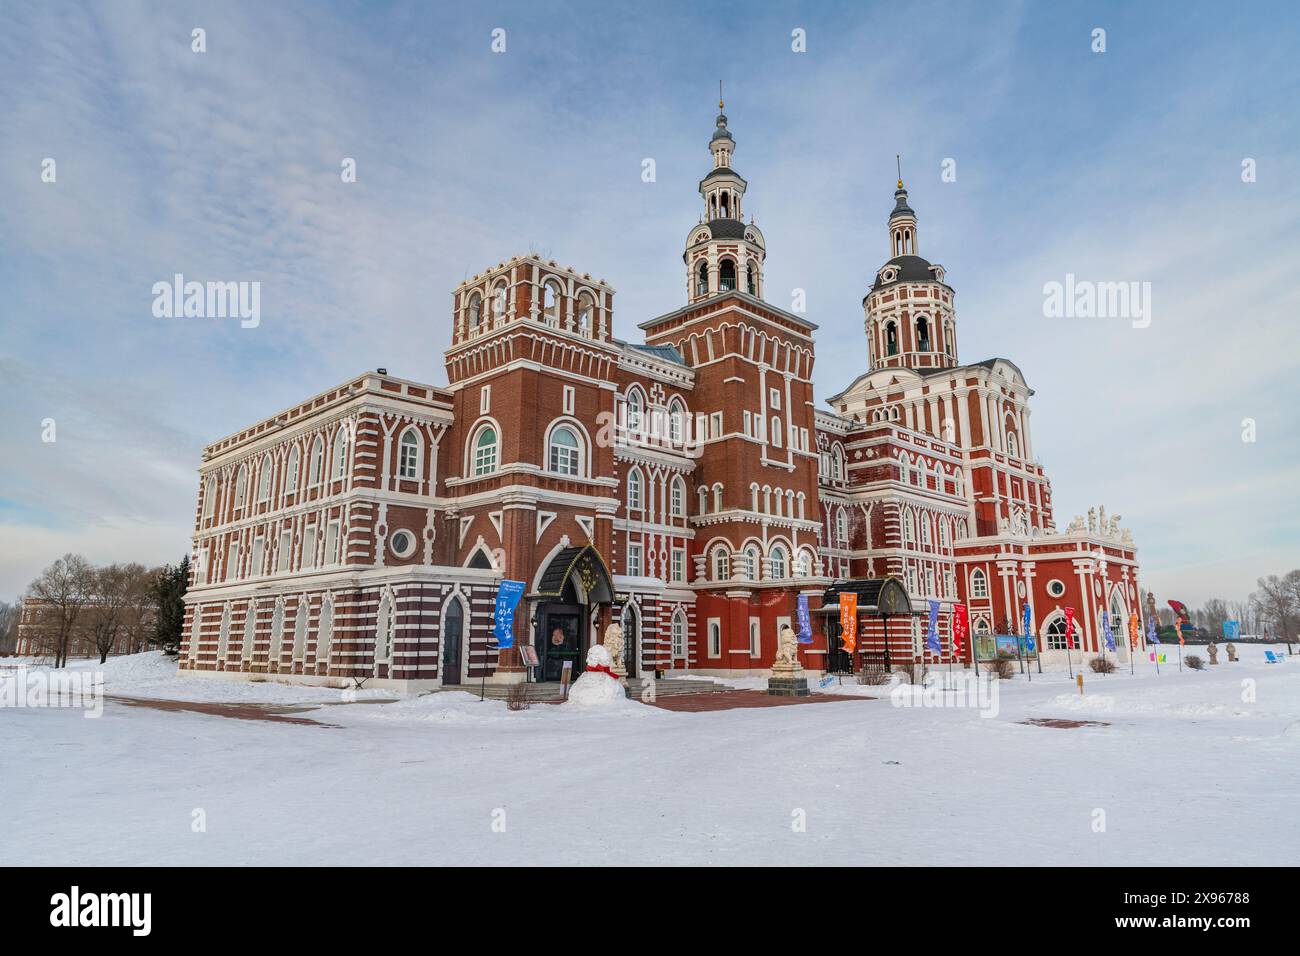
pixel 1118 166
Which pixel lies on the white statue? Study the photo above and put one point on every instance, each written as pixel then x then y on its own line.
pixel 1113 530
pixel 614 644
pixel 787 650
pixel 1076 525
pixel 1101 520
pixel 1092 520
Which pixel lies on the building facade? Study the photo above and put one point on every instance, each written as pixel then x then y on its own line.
pixel 686 486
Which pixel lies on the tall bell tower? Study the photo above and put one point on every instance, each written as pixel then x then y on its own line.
pixel 723 253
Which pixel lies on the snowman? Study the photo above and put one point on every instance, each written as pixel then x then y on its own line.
pixel 598 685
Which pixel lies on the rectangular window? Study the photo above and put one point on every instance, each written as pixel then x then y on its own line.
pixel 634 560
pixel 232 561
pixel 255 563
pixel 568 399
pixel 201 573
pixel 755 638
pixel 774 399
pixel 749 423
pixel 308 547
pixel 715 637
pixel 715 425
pixel 803 439
pixel 284 558
pixel 485 399
pixel 332 543
pixel 679 565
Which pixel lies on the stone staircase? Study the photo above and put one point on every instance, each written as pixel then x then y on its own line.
pixel 553 693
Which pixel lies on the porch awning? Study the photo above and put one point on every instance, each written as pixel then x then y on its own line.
pixel 588 568
pixel 878 596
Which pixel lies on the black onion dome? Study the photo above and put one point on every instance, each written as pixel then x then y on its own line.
pixel 908 269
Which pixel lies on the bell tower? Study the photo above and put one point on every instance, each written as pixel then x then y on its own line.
pixel 723 253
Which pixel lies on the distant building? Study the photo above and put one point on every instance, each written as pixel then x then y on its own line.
pixel 38 631
pixel 687 487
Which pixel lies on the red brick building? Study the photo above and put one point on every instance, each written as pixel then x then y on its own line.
pixel 687 486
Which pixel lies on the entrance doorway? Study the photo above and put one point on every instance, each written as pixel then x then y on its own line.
pixel 631 625
pixel 563 630
pixel 453 625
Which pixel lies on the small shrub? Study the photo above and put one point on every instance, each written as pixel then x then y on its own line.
pixel 1102 665
pixel 1002 667
pixel 1194 662
pixel 915 673
pixel 517 697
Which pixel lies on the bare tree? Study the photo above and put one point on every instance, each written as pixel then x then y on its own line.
pixel 142 608
pixel 10 615
pixel 1278 603
pixel 113 588
pixel 62 588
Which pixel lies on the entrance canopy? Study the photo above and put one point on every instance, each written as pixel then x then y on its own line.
pixel 584 565
pixel 880 596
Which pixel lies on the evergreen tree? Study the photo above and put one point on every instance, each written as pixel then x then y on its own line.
pixel 169 592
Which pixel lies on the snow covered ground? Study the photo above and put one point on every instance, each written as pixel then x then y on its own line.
pixel 1181 768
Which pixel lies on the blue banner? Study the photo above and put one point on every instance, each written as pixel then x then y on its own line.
pixel 1029 628
pixel 1231 630
pixel 932 634
pixel 1105 629
pixel 1151 629
pixel 805 620
pixel 503 618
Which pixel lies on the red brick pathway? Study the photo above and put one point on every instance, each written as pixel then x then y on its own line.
pixel 243 711
pixel 736 699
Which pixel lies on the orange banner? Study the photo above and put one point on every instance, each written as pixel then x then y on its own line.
pixel 849 621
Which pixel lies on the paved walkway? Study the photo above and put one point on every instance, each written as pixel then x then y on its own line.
pixel 244 711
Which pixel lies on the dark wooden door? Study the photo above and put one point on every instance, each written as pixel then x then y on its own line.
pixel 453 626
pixel 562 640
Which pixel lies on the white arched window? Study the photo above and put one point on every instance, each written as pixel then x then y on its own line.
pixel 316 466
pixel 551 304
pixel 300 630
pixel 340 469
pixel 909 529
pixel 584 321
pixel 841 528
pixel 223 635
pixel 676 422
pixel 751 563
pixel 635 409
pixel 241 486
pixel 384 627
pixel 1013 445
pixel 635 490
pixel 925 530
pixel 565 453
pixel 292 471
pixel 979 584
pixel 499 303
pixel 1054 633
pixel 209 497
pixel 721 564
pixel 485 451
pixel 249 637
pixel 780 562
pixel 474 317
pixel 679 634
pixel 264 483
pixel 803 564
pixel 717 497
pixel 677 499
pixel 408 455
pixel 277 632
pixel 776 432
pixel 325 633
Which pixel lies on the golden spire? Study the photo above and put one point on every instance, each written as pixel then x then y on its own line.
pixel 719 94
pixel 898 160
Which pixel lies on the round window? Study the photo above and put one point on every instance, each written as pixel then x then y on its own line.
pixel 402 543
pixel 1055 588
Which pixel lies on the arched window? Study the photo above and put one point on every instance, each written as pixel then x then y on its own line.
pixel 717 497
pixel 803 564
pixel 677 499
pixel 223 635
pixel 715 639
pixel 780 562
pixel 325 633
pixel 1055 633
pixel 979 584
pixel 721 564
pixel 724 206
pixel 499 303
pixel 726 275
pixel 485 451
pixel 925 531
pixel 841 528
pixel 551 304
pixel 837 463
pixel 751 279
pixel 751 563
pixel 277 632
pixel 947 340
pixel 585 320
pixel 341 453
pixel 316 470
pixel 676 422
pixel 249 637
pixel 384 630
pixel 292 472
pixel 776 432
pixel 1013 445
pixel 408 458
pixel 923 334
pixel 679 635
pixel 702 279
pixel 475 316
pixel 565 452
pixel 909 529
pixel 264 484
pixel 635 405
pixel 944 537
pixel 635 490
pixel 209 497
pixel 891 338
pixel 300 630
